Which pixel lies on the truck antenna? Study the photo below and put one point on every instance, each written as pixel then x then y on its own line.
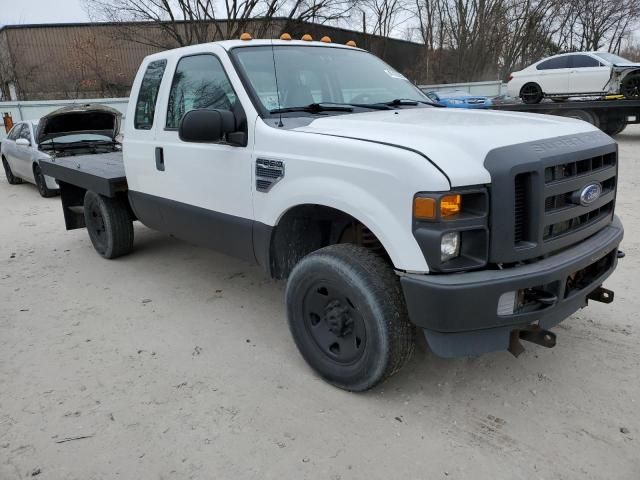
pixel 275 75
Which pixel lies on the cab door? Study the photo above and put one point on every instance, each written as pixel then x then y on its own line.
pixel 588 75
pixel 202 190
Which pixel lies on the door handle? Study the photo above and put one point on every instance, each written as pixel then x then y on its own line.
pixel 159 159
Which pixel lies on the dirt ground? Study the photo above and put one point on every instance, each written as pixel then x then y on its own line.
pixel 176 363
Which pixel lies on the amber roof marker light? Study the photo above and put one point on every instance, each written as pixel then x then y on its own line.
pixel 307 38
pixel 246 36
pixel 285 36
pixel 351 43
pixel 325 39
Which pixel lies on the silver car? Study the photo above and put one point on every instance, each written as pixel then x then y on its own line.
pixel 20 158
pixel 73 130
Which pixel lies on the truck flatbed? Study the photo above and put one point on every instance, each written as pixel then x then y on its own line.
pixel 611 116
pixel 102 173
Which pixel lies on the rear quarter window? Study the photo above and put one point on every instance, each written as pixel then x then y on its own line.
pixel 148 95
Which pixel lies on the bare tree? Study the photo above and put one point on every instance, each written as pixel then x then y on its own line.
pixel 188 22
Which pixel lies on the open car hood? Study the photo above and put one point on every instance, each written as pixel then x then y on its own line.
pixel 90 119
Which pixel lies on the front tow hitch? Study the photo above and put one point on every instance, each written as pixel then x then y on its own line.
pixel 601 294
pixel 533 334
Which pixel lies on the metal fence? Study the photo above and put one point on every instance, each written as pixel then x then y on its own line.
pixel 33 110
pixel 489 89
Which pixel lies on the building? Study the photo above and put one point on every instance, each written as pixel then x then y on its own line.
pixel 93 60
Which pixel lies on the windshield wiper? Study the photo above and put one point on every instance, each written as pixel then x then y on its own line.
pixel 400 102
pixel 315 108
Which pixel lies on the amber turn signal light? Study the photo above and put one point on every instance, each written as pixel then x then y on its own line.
pixel 450 205
pixel 424 208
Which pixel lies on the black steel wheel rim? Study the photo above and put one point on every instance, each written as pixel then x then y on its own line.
pixel 631 86
pixel 334 323
pixel 530 92
pixel 95 224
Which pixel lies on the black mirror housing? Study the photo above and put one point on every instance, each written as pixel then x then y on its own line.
pixel 206 126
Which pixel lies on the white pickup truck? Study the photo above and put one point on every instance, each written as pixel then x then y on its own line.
pixel 388 215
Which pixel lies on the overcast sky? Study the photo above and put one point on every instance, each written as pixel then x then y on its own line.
pixel 41 11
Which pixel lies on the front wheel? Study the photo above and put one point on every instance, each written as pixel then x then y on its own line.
pixel 11 178
pixel 630 86
pixel 348 317
pixel 531 93
pixel 109 225
pixel 41 183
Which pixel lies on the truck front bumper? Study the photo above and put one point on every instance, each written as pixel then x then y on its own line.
pixel 471 313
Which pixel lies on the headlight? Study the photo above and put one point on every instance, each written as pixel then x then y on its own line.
pixel 451 228
pixel 449 246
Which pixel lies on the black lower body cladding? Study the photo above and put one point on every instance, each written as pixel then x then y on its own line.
pixel 459 312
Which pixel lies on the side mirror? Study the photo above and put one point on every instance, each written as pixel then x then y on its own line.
pixel 206 126
pixel 23 142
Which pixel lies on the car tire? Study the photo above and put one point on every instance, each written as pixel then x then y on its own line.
pixel 531 93
pixel 41 183
pixel 11 178
pixel 630 86
pixel 348 317
pixel 109 224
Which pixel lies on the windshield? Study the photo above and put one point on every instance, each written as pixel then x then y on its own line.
pixel 611 58
pixel 315 75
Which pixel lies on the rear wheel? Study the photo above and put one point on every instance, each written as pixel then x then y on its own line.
pixel 630 86
pixel 348 317
pixel 584 115
pixel 11 178
pixel 109 225
pixel 614 126
pixel 531 93
pixel 41 183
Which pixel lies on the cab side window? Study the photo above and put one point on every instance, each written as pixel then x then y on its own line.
pixel 199 82
pixel 146 104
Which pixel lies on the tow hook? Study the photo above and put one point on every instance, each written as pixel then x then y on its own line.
pixel 621 254
pixel 601 294
pixel 533 334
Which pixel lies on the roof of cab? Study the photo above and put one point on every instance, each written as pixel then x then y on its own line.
pixel 230 44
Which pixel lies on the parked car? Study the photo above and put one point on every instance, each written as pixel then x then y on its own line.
pixel 459 99
pixel 72 130
pixel 576 74
pixel 387 216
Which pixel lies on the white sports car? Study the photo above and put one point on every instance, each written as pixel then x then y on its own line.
pixel 576 74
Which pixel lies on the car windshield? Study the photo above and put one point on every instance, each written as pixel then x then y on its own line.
pixel 611 58
pixel 309 75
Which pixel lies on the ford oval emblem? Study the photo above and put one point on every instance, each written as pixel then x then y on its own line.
pixel 590 193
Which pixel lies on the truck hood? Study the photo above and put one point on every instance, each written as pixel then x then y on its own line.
pixel 90 119
pixel 457 141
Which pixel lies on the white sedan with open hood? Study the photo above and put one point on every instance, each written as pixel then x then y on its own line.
pixel 72 130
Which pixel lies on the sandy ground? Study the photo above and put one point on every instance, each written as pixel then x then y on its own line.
pixel 176 363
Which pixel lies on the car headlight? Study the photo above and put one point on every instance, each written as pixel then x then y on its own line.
pixel 449 246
